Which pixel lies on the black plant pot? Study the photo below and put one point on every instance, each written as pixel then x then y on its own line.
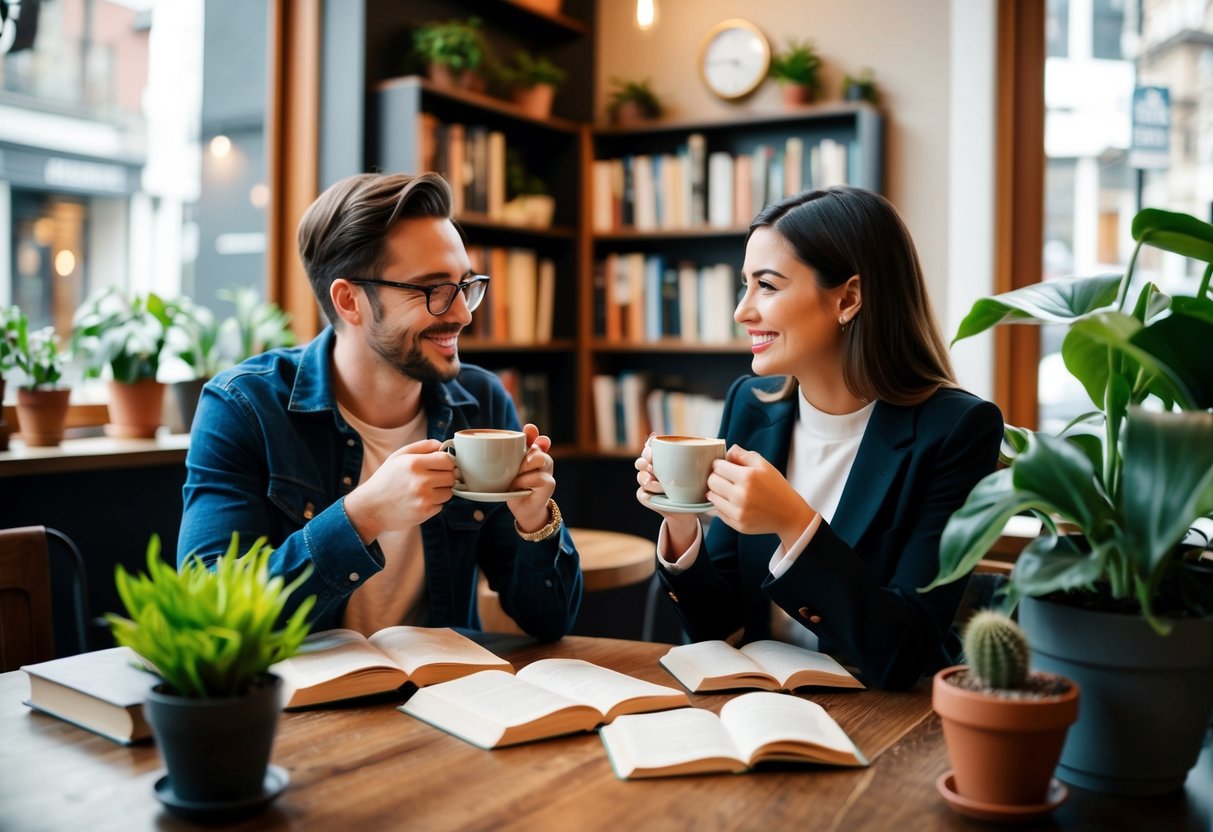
pixel 217 750
pixel 186 394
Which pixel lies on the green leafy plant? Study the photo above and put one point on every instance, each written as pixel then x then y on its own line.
pixel 861 87
pixel 126 334
pixel 996 650
pixel 10 318
pixel 194 337
pixel 799 64
pixel 639 93
pixel 39 357
pixel 1129 480
pixel 528 70
pixel 458 44
pixel 255 327
pixel 209 633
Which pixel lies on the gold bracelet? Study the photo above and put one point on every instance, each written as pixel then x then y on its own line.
pixel 547 531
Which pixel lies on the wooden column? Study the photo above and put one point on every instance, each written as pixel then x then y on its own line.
pixel 1019 236
pixel 293 131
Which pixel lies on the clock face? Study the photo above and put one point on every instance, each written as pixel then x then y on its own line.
pixel 734 58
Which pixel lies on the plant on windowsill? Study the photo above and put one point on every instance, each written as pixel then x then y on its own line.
pixel 1098 604
pixel 797 70
pixel 453 52
pixel 41 403
pixel 193 337
pixel 127 335
pixel 1003 725
pixel 212 635
pixel 8 344
pixel 255 327
pixel 632 102
pixel 533 81
pixel 529 203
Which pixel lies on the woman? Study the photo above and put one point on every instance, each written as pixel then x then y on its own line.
pixel 846 455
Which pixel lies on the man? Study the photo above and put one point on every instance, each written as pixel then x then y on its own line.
pixel 332 449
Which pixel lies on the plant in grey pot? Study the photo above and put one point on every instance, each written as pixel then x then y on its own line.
pixel 127 335
pixel 193 337
pixel 1116 594
pixel 9 316
pixel 861 87
pixel 212 634
pixel 42 403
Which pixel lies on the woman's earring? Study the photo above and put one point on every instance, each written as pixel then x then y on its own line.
pixel 842 320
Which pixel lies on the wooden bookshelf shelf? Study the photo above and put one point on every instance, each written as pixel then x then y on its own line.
pixel 484 222
pixel 789 116
pixel 477 101
pixel 630 234
pixel 559 24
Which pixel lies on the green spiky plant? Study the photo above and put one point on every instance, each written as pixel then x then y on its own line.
pixel 528 70
pixel 1130 480
pixel 638 92
pixel 458 44
pixel 798 64
pixel 210 632
pixel 996 650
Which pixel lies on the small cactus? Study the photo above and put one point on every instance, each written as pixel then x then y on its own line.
pixel 997 651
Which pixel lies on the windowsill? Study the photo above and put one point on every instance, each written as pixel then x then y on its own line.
pixel 93 453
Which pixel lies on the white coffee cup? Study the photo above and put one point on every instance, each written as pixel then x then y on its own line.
pixel 682 465
pixel 487 459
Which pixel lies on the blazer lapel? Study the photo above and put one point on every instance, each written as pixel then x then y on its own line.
pixel 884 446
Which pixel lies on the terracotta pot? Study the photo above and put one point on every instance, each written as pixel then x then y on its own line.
pixel 135 409
pixel 1003 750
pixel 466 79
pixel 5 430
pixel 535 101
pixel 42 415
pixel 796 95
pixel 542 6
pixel 629 112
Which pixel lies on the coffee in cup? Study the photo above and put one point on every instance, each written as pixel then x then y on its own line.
pixel 487 459
pixel 682 465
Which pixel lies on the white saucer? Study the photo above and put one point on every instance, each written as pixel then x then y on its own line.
pixel 489 496
pixel 664 503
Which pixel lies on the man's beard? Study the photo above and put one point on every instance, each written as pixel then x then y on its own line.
pixel 403 351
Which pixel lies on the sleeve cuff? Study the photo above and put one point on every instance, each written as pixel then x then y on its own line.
pixel 687 558
pixel 781 560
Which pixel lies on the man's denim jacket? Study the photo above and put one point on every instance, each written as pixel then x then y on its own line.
pixel 270 455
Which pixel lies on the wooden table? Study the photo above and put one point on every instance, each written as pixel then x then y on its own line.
pixel 369 767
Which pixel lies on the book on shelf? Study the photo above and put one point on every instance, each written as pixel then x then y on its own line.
pixel 751 729
pixel 768 665
pixel 720 190
pixel 546 306
pixel 546 698
pixel 102 692
pixel 342 664
pixel 603 387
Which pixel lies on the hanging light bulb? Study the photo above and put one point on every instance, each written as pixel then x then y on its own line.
pixel 646 14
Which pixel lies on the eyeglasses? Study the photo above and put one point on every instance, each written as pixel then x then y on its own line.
pixel 439 296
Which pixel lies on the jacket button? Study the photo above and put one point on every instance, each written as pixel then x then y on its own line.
pixel 350 442
pixel 353 577
pixel 478 515
pixel 347 480
pixel 673 597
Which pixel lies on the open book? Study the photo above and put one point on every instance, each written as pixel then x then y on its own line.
pixel 341 664
pixel 769 665
pixel 753 728
pixel 547 698
pixel 102 692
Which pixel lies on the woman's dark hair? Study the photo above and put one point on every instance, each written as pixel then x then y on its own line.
pixel 342 233
pixel 892 349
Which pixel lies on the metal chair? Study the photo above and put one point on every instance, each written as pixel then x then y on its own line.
pixel 26 621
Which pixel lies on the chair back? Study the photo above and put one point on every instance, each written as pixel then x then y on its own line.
pixel 25 598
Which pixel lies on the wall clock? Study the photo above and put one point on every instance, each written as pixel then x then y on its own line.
pixel 734 58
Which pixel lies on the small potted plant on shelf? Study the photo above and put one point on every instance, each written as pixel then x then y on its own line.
pixel 529 204
pixel 1004 727
pixel 453 51
pixel 8 345
pixel 797 71
pixel 632 102
pixel 861 87
pixel 533 81
pixel 1117 594
pixel 212 634
pixel 127 336
pixel 41 403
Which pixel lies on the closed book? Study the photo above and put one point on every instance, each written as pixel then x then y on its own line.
pixel 697 148
pixel 102 692
pixel 601 196
pixel 496 173
pixel 546 304
pixel 688 301
pixel 720 190
pixel 603 387
pixel 522 270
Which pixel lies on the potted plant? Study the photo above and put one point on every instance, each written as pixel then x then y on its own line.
pixel 796 70
pixel 533 81
pixel 1003 726
pixel 8 344
pixel 255 327
pixel 41 403
pixel 212 634
pixel 529 203
pixel 453 52
pixel 632 101
pixel 127 336
pixel 861 87
pixel 193 337
pixel 1115 594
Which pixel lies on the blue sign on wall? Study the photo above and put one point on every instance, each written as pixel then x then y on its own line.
pixel 1151 143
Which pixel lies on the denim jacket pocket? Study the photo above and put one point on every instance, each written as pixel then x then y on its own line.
pixel 298 502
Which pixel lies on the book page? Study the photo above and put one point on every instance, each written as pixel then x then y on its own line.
pixel 330 654
pixel 694 664
pixel 786 727
pixel 599 687
pixel 416 647
pixel 682 741
pixel 783 661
